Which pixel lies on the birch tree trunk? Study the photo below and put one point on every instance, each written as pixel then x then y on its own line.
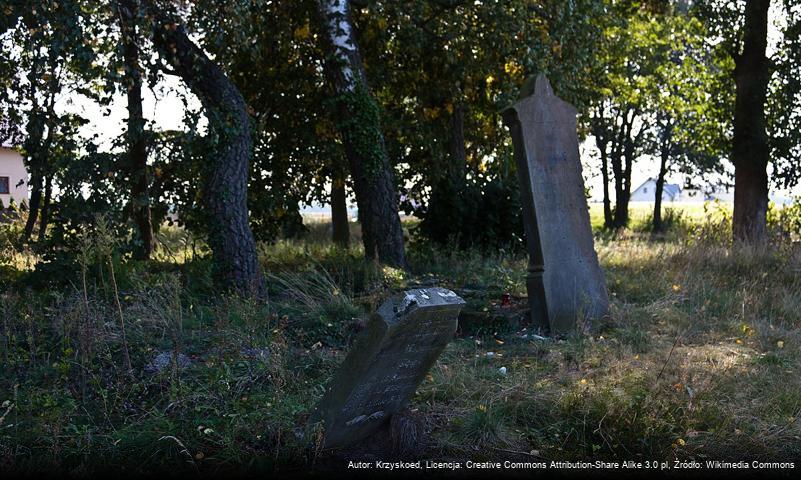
pixel 359 125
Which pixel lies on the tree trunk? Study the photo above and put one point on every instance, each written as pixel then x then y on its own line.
pixel 750 152
pixel 235 261
pixel 602 143
pixel 660 187
pixel 32 147
pixel 37 145
pixel 45 217
pixel 33 206
pixel 458 166
pixel 615 161
pixel 621 205
pixel 37 162
pixel 622 166
pixel 359 125
pixel 621 208
pixel 607 200
pixel 137 146
pixel 339 212
pixel 664 155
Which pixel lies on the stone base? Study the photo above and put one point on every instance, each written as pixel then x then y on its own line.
pixel 403 437
pixel 509 318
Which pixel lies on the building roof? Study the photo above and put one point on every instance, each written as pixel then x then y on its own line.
pixel 671 189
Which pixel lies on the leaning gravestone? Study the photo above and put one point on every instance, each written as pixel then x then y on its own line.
pixel 565 284
pixel 388 361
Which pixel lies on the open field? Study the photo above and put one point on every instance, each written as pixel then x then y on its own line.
pixel 699 359
pixel 642 212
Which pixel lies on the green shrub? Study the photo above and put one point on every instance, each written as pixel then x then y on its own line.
pixel 480 213
pixel 785 222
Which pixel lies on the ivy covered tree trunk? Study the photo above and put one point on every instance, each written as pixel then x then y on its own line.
pixel 750 151
pixel 360 127
pixel 339 212
pixel 137 148
pixel 224 189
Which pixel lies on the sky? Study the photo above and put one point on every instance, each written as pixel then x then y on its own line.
pixel 162 105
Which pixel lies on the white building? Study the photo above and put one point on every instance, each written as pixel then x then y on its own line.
pixel 647 192
pixel 710 194
pixel 694 195
pixel 13 176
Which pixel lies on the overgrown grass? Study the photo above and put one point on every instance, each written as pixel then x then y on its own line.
pixel 698 359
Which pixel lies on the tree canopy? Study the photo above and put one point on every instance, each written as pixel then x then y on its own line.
pixel 650 80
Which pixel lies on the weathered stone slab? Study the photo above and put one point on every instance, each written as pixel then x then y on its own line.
pixel 388 361
pixel 566 286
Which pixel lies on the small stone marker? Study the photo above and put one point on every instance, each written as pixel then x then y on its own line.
pixel 565 284
pixel 387 362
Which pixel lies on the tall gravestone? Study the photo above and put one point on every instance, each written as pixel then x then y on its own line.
pixel 565 283
pixel 388 361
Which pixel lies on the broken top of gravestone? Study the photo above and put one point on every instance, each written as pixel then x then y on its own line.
pixel 565 283
pixel 387 362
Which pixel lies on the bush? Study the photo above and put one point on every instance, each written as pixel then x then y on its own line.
pixel 673 220
pixel 480 213
pixel 715 228
pixel 785 222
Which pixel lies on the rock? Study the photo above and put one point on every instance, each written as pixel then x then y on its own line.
pixel 262 354
pixel 164 361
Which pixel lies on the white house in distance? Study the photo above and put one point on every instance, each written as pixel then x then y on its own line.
pixel 647 192
pixel 13 175
pixel 674 193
